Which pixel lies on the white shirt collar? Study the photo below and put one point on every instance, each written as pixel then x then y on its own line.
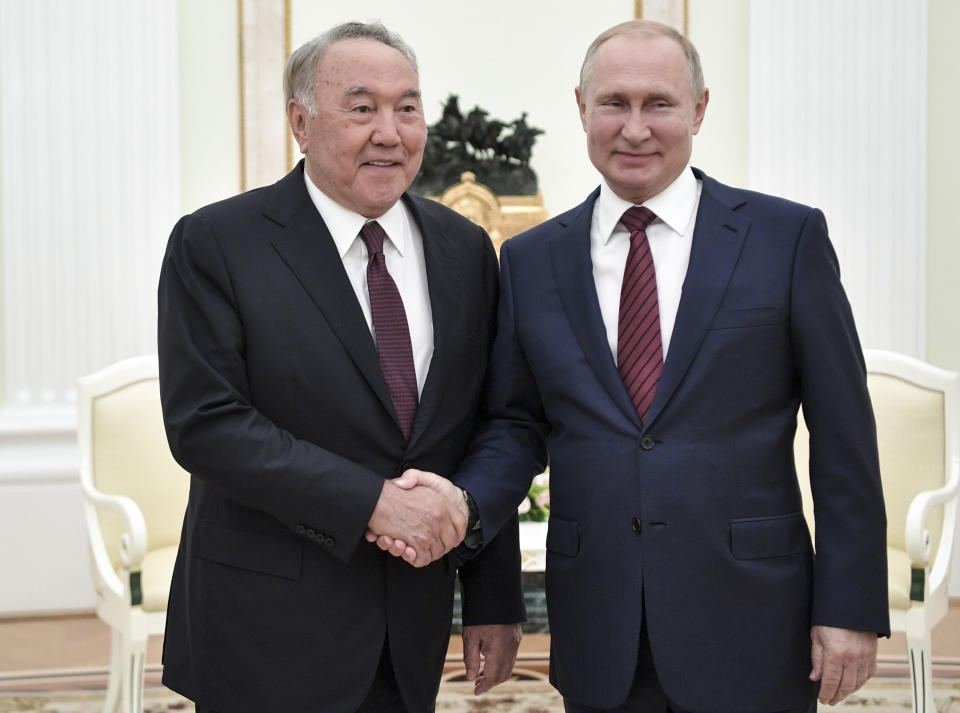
pixel 675 205
pixel 344 225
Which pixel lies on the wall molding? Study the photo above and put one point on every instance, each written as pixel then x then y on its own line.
pixel 838 119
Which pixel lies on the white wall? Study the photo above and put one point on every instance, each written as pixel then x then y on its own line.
pixel 838 105
pixel 943 225
pixel 720 30
pixel 209 102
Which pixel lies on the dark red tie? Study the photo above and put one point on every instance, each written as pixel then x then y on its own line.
pixel 639 350
pixel 390 326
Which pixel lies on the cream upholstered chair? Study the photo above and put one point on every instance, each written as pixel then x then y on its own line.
pixel 134 497
pixel 917 408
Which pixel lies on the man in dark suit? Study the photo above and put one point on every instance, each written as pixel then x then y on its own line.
pixel 316 338
pixel 656 341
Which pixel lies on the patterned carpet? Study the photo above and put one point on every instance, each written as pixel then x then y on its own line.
pixel 879 696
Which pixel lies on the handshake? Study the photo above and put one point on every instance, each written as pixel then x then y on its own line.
pixel 420 517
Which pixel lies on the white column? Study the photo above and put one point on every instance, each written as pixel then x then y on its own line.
pixel 838 119
pixel 89 190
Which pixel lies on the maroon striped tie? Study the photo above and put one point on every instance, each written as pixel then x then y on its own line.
pixel 639 350
pixel 390 326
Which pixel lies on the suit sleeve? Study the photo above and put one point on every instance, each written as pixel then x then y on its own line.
pixel 490 581
pixel 509 448
pixel 491 584
pixel 850 569
pixel 214 430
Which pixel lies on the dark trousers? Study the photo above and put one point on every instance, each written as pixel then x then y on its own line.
pixel 646 695
pixel 383 696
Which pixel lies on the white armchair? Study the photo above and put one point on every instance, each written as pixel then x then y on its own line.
pixel 134 499
pixel 917 408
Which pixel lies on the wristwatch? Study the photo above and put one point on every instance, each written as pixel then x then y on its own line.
pixel 474 537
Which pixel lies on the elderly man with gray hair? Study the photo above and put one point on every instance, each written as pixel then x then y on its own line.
pixel 318 337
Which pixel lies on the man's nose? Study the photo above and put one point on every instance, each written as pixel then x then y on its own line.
pixel 386 129
pixel 636 127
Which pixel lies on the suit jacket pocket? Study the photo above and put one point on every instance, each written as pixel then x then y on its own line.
pixel 761 537
pixel 563 537
pixel 752 317
pixel 263 552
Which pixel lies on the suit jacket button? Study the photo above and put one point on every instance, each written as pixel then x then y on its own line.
pixel 637 527
pixel 646 442
pixel 311 533
pixel 301 530
pixel 330 542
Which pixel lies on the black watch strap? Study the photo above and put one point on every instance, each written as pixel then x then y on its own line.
pixel 474 537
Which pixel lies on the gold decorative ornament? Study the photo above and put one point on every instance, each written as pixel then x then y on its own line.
pixel 501 216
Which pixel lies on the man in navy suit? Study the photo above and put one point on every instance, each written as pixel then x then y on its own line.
pixel 280 399
pixel 680 573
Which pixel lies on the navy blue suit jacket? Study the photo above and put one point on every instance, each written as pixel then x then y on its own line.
pixel 692 520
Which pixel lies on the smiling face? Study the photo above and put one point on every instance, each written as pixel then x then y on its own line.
pixel 365 144
pixel 639 113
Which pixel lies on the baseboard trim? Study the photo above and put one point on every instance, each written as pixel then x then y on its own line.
pixel 898 667
pixel 22 616
pixel 68 679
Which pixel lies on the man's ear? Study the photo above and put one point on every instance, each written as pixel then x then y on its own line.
pixel 581 106
pixel 700 109
pixel 297 117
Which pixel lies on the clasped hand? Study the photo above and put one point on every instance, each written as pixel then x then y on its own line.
pixel 420 517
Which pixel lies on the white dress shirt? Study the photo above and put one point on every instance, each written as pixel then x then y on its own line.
pixel 670 236
pixel 403 251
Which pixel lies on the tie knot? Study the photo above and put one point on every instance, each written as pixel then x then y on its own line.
pixel 637 218
pixel 373 235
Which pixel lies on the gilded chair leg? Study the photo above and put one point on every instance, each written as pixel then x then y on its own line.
pixel 918 649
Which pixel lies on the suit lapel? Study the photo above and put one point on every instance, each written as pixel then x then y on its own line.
pixel 443 283
pixel 307 248
pixel 717 240
pixel 578 292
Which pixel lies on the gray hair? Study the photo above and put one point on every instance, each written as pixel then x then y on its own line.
pixel 649 28
pixel 300 74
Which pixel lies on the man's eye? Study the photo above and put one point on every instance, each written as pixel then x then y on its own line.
pixel 362 109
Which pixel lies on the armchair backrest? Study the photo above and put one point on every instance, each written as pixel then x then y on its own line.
pixel 910 437
pixel 124 451
pixel 915 410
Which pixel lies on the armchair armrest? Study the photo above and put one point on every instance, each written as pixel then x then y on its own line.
pixel 917 536
pixel 133 542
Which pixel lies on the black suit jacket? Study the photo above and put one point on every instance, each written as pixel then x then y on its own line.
pixel 274 401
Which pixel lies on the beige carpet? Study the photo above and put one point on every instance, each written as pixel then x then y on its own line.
pixel 879 696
